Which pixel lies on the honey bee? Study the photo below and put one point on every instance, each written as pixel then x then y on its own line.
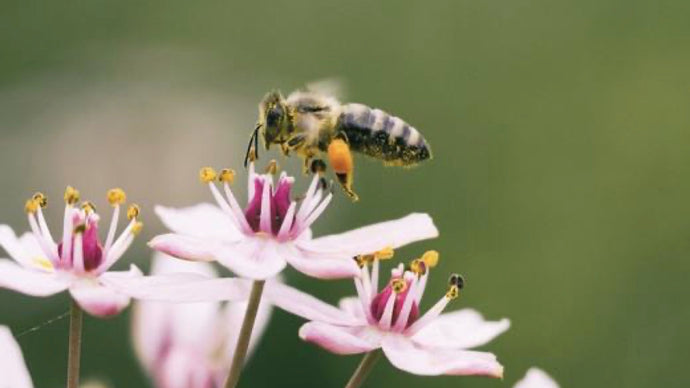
pixel 313 122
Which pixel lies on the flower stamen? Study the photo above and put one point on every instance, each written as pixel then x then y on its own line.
pixel 133 211
pixel 31 206
pixel 430 258
pixel 398 285
pixel 71 195
pixel 207 175
pixel 116 196
pixel 227 175
pixel 41 199
pixel 455 283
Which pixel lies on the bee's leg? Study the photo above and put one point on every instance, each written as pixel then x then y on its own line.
pixel 307 164
pixel 285 149
pixel 340 157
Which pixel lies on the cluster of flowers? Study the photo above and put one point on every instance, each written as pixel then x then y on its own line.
pixel 194 329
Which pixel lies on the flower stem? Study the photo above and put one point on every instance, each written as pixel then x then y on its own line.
pixel 74 355
pixel 245 334
pixel 364 369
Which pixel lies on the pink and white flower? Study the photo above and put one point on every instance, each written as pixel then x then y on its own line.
pixel 430 344
pixel 258 241
pixel 536 378
pixel 76 262
pixel 189 345
pixel 13 371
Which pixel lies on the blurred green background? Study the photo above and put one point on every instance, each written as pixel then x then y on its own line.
pixel 560 132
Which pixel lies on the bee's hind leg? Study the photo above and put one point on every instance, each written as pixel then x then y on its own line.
pixel 340 158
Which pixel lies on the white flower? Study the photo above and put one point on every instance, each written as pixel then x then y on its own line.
pixel 273 230
pixel 77 262
pixel 189 345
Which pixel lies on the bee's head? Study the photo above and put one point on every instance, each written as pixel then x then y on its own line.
pixel 273 114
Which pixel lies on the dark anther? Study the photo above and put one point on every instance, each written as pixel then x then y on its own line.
pixel 456 280
pixel 318 166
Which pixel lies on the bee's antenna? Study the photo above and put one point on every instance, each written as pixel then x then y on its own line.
pixel 253 145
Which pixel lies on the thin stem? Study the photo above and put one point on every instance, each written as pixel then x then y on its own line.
pixel 245 334
pixel 364 369
pixel 74 355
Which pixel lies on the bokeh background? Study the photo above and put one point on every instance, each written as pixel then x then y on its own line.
pixel 560 132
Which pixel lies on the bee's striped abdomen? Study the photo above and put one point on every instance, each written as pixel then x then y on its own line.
pixel 382 136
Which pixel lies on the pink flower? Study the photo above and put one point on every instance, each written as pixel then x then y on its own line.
pixel 258 241
pixel 189 345
pixel 428 344
pixel 536 378
pixel 13 372
pixel 42 267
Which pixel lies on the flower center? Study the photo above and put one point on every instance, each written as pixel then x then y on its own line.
pixel 401 289
pixel 278 203
pixel 92 248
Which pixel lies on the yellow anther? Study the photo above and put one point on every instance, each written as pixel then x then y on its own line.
pixel 227 175
pixel 453 292
pixel 41 199
pixel 430 258
pixel 31 206
pixel 398 285
pixel 418 266
pixel 272 167
pixel 207 174
pixel 136 228
pixel 385 253
pixel 71 195
pixel 116 196
pixel 360 260
pixel 133 211
pixel 88 207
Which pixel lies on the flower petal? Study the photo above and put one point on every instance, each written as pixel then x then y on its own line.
pixel 30 282
pixel 368 239
pixel 463 329
pixel 19 249
pixel 13 372
pixel 322 267
pixel 184 247
pixel 428 361
pixel 353 306
pixel 97 299
pixel 338 339
pixel 181 368
pixel 536 378
pixel 256 258
pixel 306 306
pixel 157 325
pixel 178 287
pixel 203 220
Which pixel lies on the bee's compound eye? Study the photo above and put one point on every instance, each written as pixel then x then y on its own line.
pixel 274 115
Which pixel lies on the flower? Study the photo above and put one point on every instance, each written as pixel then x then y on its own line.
pixel 42 267
pixel 536 378
pixel 430 344
pixel 189 345
pixel 272 230
pixel 13 372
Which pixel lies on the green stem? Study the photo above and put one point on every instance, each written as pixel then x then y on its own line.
pixel 245 334
pixel 74 355
pixel 364 369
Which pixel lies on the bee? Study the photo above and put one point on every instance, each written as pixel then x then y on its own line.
pixel 311 123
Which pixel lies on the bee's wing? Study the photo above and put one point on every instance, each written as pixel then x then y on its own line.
pixel 333 86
